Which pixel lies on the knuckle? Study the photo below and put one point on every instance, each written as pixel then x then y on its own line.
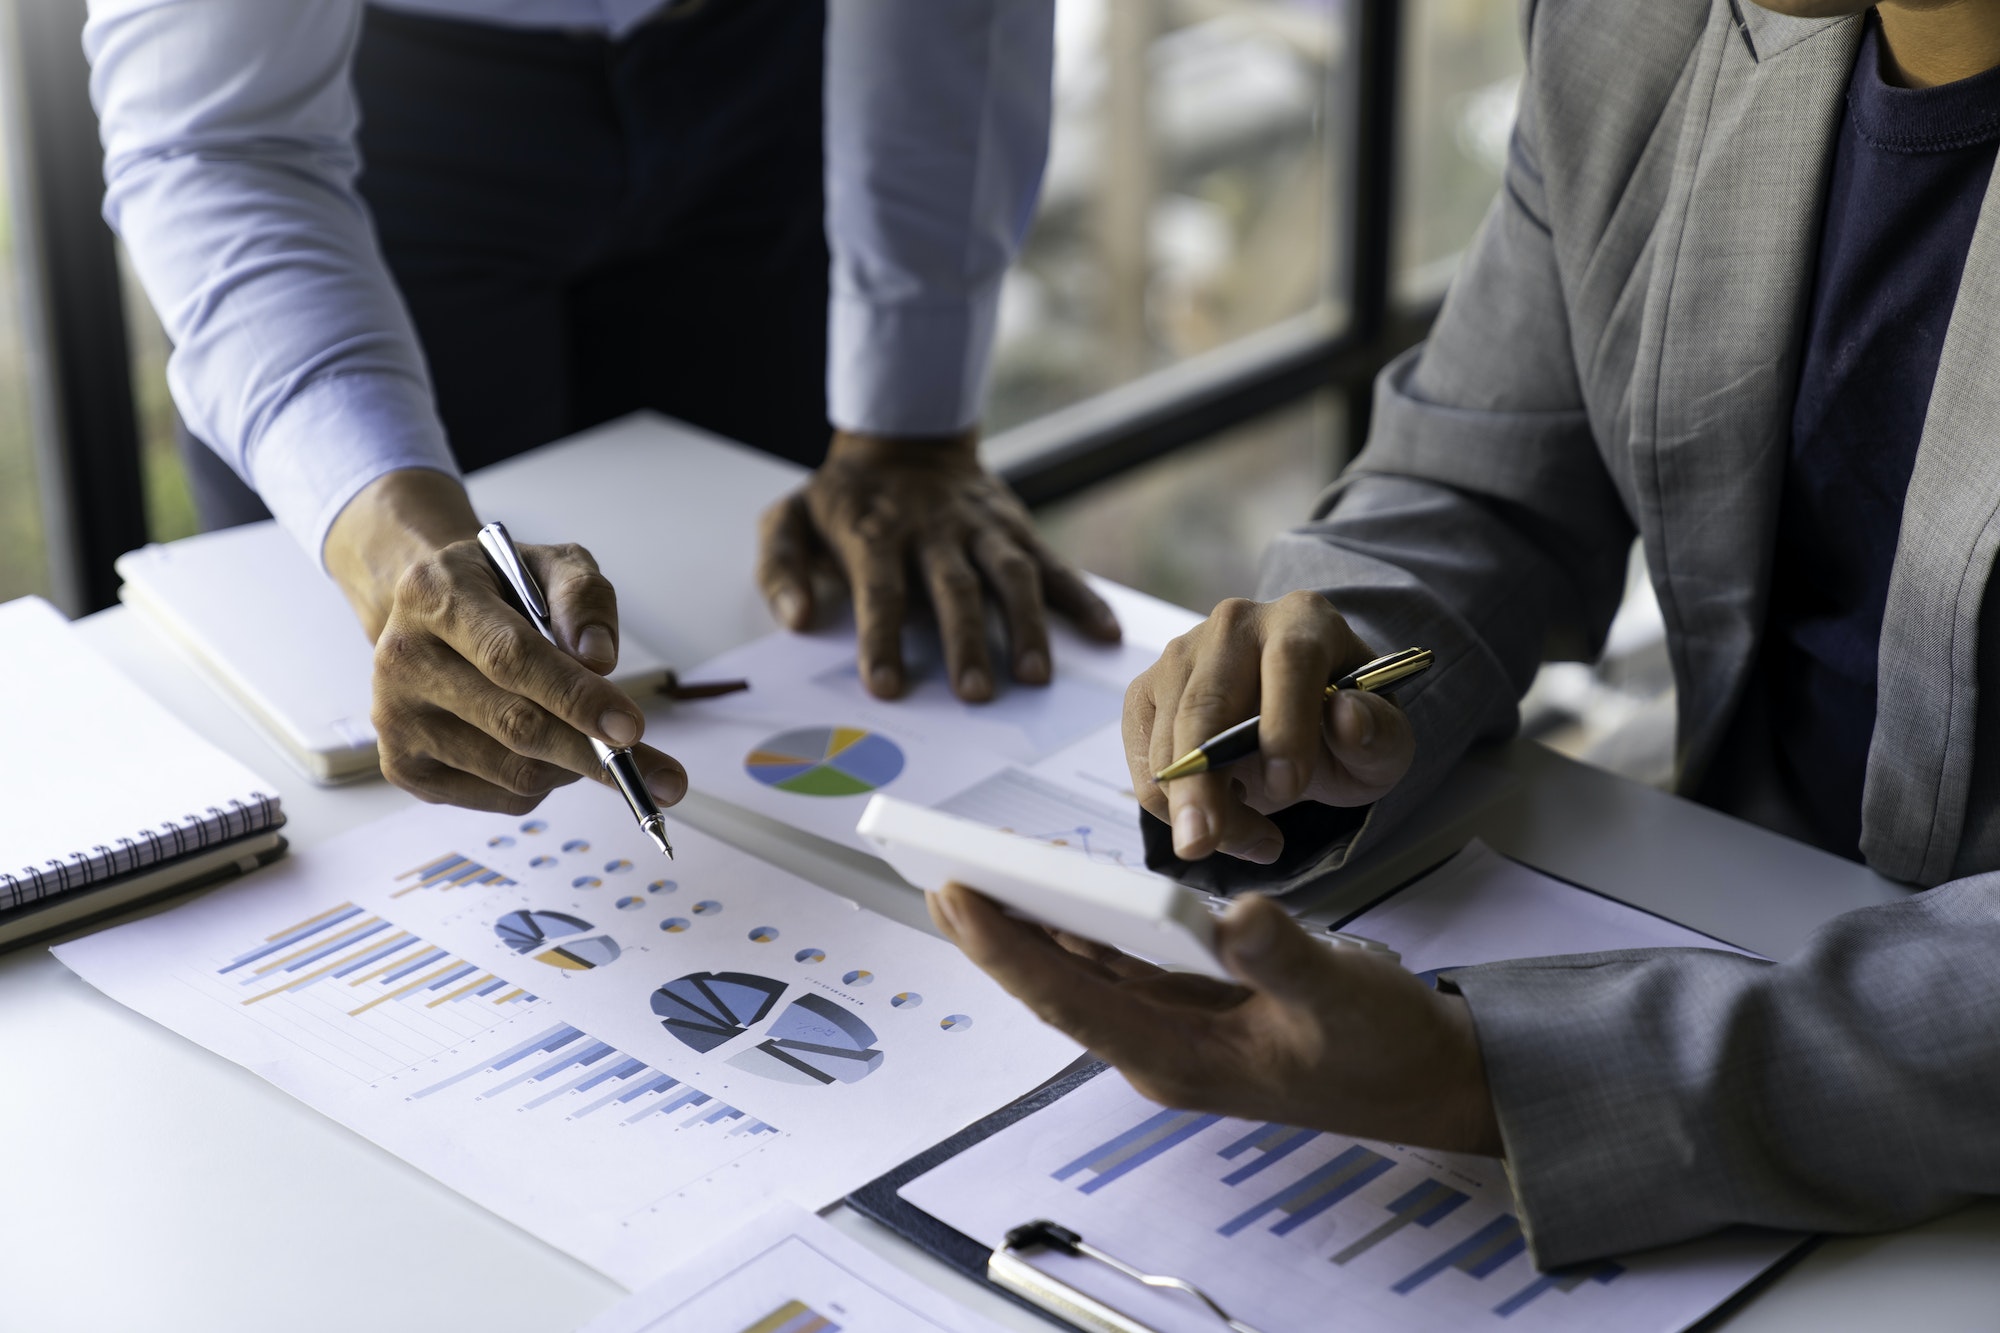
pixel 503 651
pixel 399 653
pixel 523 776
pixel 569 553
pixel 424 587
pixel 956 583
pixel 1203 699
pixel 882 592
pixel 520 726
pixel 1232 613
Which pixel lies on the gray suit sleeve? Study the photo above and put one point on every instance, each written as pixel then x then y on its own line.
pixel 1650 1096
pixel 1479 521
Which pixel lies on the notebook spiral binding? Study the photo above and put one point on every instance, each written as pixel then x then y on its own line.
pixel 148 847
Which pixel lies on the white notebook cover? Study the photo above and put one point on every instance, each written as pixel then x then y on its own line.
pixel 99 778
pixel 277 638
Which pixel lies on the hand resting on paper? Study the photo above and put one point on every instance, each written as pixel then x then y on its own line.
pixel 878 509
pixel 1273 659
pixel 472 706
pixel 1332 1039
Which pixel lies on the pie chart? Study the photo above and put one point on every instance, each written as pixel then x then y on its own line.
pixel 706 1009
pixel 826 761
pixel 525 932
pixel 814 1041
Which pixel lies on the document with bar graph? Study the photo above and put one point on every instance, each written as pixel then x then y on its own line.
pixel 1294 1228
pixel 620 1054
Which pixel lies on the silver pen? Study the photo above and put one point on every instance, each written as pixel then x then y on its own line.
pixel 618 763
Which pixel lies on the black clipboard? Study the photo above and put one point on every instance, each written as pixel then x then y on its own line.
pixel 879 1201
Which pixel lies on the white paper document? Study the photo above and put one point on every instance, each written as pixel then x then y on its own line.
pixel 622 1055
pixel 807 745
pixel 789 1272
pixel 1291 1228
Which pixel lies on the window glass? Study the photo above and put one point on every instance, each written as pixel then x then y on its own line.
pixel 1188 199
pixel 1461 79
pixel 23 547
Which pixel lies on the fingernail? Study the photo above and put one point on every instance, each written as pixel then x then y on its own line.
pixel 618 728
pixel 1033 667
pixel 1364 719
pixel 665 786
pixel 1190 831
pixel 1265 852
pixel 1281 779
pixel 886 681
pixel 595 644
pixel 791 609
pixel 975 684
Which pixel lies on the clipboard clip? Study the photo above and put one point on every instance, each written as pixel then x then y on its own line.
pixel 1008 1268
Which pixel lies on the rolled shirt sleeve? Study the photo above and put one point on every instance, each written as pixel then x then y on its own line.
pixel 937 129
pixel 230 161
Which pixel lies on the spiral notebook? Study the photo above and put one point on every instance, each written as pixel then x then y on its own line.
pixel 102 789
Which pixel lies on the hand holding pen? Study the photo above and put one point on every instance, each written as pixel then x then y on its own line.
pixel 1279 657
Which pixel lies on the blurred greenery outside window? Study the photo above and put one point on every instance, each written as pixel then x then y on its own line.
pixel 1193 197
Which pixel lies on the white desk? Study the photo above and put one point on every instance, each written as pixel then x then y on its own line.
pixel 161 1187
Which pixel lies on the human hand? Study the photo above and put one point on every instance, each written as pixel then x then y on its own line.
pixel 472 705
pixel 877 508
pixel 1341 1040
pixel 1274 659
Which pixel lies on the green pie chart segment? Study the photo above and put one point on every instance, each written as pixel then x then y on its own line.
pixel 826 761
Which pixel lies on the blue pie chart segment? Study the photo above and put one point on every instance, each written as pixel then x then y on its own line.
pixel 826 761
pixel 815 1041
pixel 705 1009
pixel 524 931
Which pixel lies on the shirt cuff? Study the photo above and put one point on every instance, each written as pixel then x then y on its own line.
pixel 908 370
pixel 332 438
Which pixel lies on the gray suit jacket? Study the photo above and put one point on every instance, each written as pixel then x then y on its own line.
pixel 1619 356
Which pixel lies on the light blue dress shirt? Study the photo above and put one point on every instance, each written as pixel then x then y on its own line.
pixel 230 163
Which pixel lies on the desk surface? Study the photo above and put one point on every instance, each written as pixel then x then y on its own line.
pixel 152 1184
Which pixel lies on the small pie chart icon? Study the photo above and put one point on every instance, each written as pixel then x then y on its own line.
pixel 826 761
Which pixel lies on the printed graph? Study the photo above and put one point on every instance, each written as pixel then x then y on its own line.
pixel 826 761
pixel 565 1069
pixel 706 1009
pixel 814 1041
pixel 361 992
pixel 528 932
pixel 1017 801
pixel 1134 1148
pixel 451 871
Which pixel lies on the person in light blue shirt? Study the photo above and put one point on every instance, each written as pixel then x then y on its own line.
pixel 389 241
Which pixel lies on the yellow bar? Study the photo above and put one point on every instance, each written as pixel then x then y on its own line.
pixel 392 963
pixel 340 962
pixel 307 922
pixel 362 924
pixel 450 963
pixel 502 999
pixel 453 995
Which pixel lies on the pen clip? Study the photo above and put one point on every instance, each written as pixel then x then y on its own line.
pixel 501 550
pixel 1008 1268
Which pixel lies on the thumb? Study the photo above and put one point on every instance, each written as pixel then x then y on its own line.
pixel 1270 952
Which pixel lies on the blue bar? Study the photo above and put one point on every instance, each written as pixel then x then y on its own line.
pixel 1291 1142
pixel 308 959
pixel 546 1041
pixel 626 1070
pixel 377 955
pixel 1315 1192
pixel 1562 1279
pixel 292 937
pixel 574 1085
pixel 1499 1240
pixel 616 1095
pixel 1158 1133
pixel 660 1084
pixel 490 987
pixel 584 1056
pixel 417 964
pixel 450 977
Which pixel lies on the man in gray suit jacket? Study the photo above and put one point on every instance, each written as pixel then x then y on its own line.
pixel 1740 295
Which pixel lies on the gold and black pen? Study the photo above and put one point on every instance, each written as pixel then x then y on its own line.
pixel 1240 741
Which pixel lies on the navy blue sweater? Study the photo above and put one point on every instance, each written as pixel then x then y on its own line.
pixel 1908 178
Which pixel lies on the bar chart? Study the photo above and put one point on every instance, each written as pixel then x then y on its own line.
pixel 1374 1214
pixel 564 1068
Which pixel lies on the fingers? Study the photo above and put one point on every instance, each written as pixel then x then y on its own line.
pixel 582 603
pixel 1268 951
pixel 961 616
pixel 1297 661
pixel 665 778
pixel 1067 593
pixel 444 760
pixel 785 549
pixel 1136 726
pixel 1016 581
pixel 1062 989
pixel 881 599
pixel 1372 744
pixel 467 614
pixel 1208 811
